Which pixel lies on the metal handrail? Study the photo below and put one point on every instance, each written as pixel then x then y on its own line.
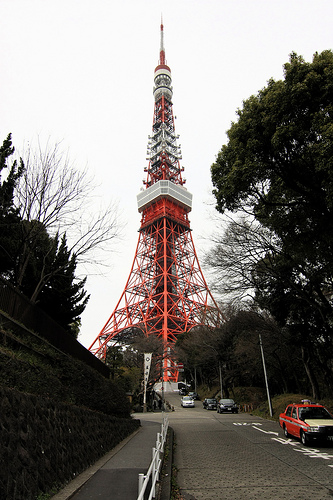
pixel 155 464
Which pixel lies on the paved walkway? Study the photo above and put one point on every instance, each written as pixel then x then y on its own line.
pixel 115 476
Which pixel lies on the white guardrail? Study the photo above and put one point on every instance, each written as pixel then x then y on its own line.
pixel 155 464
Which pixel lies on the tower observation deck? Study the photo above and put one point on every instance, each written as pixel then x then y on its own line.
pixel 166 293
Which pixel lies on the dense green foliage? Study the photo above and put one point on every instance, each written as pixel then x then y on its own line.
pixel 9 214
pixel 60 295
pixel 277 167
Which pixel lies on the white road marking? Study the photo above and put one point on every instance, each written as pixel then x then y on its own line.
pixel 246 423
pixel 313 453
pixel 309 452
pixel 285 441
pixel 266 432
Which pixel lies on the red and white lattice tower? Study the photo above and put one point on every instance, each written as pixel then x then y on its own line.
pixel 166 293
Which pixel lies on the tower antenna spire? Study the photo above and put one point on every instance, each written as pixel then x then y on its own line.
pixel 162 51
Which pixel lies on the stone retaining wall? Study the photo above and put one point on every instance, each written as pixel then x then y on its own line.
pixel 45 444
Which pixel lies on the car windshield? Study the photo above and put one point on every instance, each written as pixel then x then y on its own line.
pixel 227 401
pixel 211 400
pixel 187 398
pixel 312 412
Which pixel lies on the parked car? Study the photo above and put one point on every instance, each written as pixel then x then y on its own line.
pixel 227 406
pixel 194 395
pixel 307 421
pixel 209 404
pixel 187 402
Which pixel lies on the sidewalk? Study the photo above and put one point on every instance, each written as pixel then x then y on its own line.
pixel 115 476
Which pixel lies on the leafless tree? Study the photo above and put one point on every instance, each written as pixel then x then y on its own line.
pixel 239 244
pixel 54 196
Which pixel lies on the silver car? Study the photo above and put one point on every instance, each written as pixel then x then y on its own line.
pixel 187 402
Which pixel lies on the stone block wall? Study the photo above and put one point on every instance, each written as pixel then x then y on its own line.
pixel 45 444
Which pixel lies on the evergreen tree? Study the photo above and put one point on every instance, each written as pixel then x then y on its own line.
pixel 9 214
pixel 50 280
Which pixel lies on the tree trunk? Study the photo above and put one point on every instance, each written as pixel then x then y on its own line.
pixel 310 374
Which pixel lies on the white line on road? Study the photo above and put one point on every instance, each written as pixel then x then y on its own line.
pixel 309 452
pixel 266 432
pixel 246 423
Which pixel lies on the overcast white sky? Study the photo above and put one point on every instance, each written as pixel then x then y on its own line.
pixel 81 72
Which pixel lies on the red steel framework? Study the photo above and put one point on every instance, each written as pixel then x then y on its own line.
pixel 166 293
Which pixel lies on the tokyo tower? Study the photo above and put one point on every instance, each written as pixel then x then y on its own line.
pixel 166 293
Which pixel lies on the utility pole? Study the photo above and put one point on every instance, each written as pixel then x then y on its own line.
pixel 265 373
pixel 220 371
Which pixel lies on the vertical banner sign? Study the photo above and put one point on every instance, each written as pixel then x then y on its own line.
pixel 146 371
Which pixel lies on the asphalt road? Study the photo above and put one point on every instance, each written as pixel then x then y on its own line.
pixel 223 456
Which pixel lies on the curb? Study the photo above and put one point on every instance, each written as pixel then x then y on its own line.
pixel 166 476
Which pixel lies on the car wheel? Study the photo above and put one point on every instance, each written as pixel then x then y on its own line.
pixel 285 432
pixel 304 438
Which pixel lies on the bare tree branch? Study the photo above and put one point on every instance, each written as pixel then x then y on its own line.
pixel 238 247
pixel 63 200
